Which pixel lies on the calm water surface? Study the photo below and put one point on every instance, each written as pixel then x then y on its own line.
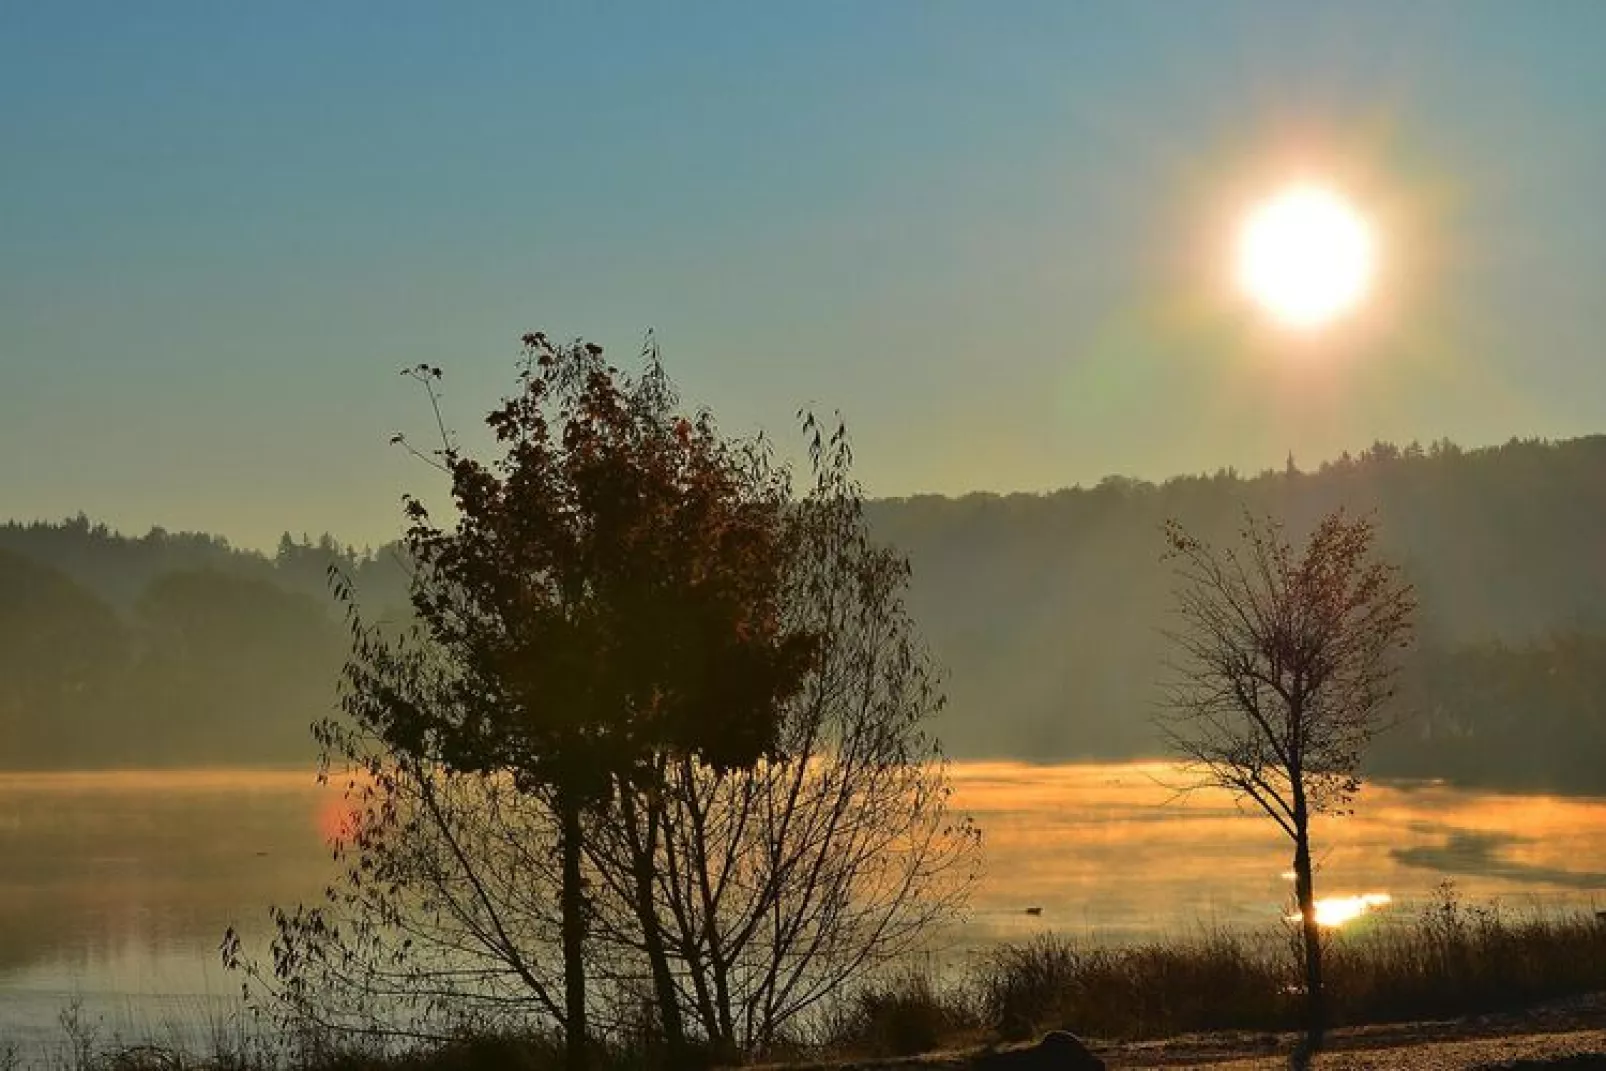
pixel 115 887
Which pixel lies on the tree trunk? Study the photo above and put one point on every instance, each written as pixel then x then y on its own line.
pixel 574 926
pixel 1305 893
pixel 678 895
pixel 643 862
pixel 724 1033
pixel 727 1023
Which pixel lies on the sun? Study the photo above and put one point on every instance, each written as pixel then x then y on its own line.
pixel 1306 256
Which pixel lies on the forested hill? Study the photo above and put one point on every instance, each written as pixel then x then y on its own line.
pixel 169 649
pixel 1049 610
pixel 1046 610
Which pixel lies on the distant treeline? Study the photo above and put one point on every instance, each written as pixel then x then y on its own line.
pixel 1047 610
pixel 168 650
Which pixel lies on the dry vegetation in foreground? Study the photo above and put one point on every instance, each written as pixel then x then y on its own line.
pixel 1451 961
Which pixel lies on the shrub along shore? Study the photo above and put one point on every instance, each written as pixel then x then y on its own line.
pixel 1452 960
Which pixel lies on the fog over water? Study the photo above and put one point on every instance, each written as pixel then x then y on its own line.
pixel 118 886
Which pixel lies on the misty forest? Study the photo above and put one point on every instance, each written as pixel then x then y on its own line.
pixel 1046 611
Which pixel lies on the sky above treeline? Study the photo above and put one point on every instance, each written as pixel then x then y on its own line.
pixel 998 239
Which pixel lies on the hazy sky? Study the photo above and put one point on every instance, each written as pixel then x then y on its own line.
pixel 996 236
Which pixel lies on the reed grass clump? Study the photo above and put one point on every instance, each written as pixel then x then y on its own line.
pixel 1449 960
pixel 902 1015
pixel 1458 959
pixel 1219 982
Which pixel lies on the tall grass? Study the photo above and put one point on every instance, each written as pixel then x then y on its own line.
pixel 1220 982
pixel 903 1015
pixel 1450 960
pixel 1459 960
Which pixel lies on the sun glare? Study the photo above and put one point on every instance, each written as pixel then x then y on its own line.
pixel 1306 256
pixel 1337 910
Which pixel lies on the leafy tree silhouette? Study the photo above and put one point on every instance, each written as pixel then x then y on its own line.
pixel 607 593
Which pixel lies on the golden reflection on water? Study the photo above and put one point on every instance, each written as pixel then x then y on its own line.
pixel 1112 852
pixel 124 881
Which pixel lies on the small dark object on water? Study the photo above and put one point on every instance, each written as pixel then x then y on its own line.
pixel 1600 916
pixel 1060 1050
pixel 1034 911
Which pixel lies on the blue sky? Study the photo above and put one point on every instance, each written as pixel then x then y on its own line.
pixel 995 236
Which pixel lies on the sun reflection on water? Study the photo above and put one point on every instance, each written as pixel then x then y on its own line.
pixel 1334 911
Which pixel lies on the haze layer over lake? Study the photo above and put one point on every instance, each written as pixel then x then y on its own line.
pixel 119 885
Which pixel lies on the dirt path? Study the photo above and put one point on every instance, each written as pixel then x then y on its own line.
pixel 1568 1050
pixel 1562 1034
pixel 1566 1035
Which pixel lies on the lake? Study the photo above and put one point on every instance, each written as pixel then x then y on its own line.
pixel 116 887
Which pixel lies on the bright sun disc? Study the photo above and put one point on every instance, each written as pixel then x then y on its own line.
pixel 1305 256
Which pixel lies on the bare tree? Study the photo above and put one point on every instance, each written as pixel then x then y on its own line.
pixel 1285 661
pixel 776 887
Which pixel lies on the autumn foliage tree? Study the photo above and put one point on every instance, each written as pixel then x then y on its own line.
pixel 1285 660
pixel 727 904
pixel 769 891
pixel 606 595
